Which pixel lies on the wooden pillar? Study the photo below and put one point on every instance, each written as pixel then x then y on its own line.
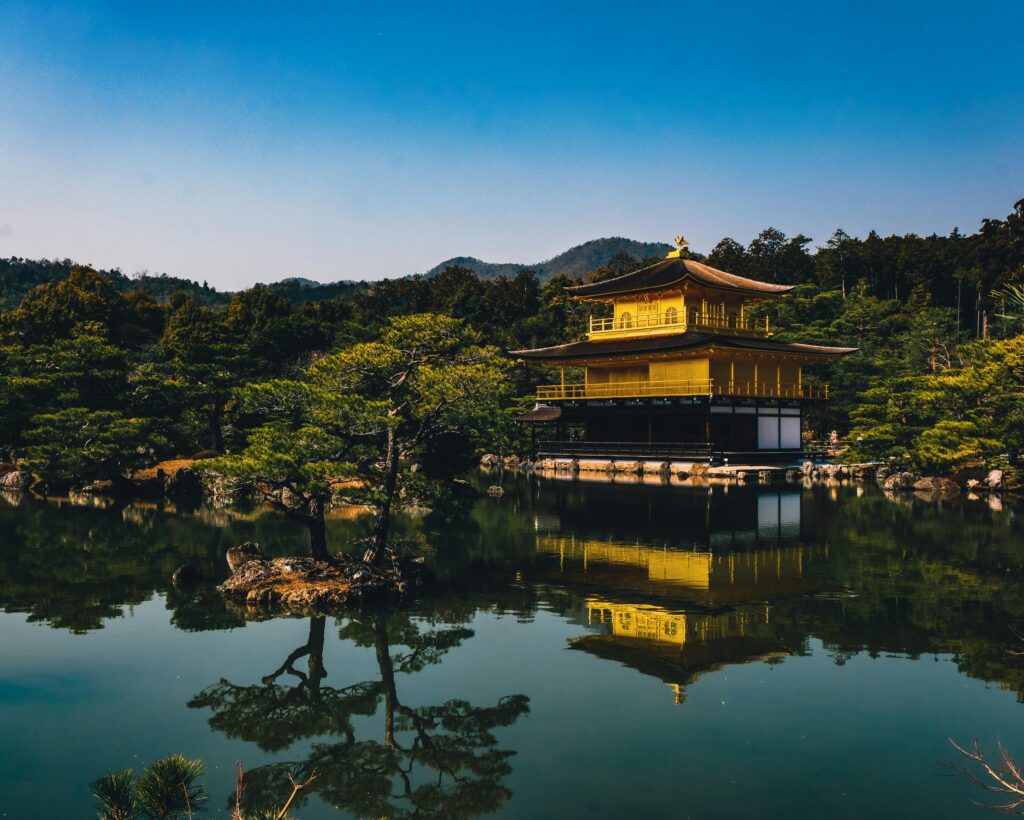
pixel 563 383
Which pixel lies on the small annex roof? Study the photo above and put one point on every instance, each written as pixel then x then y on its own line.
pixel 670 343
pixel 675 271
pixel 542 412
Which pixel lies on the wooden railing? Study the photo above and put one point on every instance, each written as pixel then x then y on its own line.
pixel 713 322
pixel 682 387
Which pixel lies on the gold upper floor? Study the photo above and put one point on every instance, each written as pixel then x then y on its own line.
pixel 678 312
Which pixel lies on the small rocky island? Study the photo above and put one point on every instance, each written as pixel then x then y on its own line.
pixel 302 585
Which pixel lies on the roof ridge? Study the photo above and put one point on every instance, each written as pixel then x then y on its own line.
pixel 670 271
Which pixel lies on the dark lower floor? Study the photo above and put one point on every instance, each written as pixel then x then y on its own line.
pixel 686 427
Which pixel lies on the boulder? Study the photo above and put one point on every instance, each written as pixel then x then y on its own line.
pixel 238 557
pixel 973 484
pixel 104 487
pixel 185 576
pixel 495 491
pixel 899 481
pixel 227 491
pixel 489 460
pixel 16 480
pixel 882 473
pixel 943 486
pixel 994 479
pixel 183 483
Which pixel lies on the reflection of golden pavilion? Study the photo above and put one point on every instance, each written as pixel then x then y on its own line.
pixel 678 647
pixel 652 623
pixel 693 575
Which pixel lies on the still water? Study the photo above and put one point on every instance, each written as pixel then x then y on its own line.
pixel 590 650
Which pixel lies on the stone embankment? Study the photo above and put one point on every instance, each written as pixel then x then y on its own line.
pixel 892 481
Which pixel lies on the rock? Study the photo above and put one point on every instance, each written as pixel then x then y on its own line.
pixel 511 461
pixel 495 491
pixel 105 487
pixel 899 481
pixel 943 486
pixel 807 467
pixel 994 479
pixel 183 483
pixel 185 576
pixel 973 484
pixel 227 491
pixel 238 557
pixel 489 460
pixel 882 473
pixel 16 480
pixel 946 486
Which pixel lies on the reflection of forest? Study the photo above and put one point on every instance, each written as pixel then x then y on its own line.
pixel 440 760
pixel 843 565
pixel 851 569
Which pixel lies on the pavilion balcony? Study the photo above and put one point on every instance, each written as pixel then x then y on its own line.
pixel 686 387
pixel 672 321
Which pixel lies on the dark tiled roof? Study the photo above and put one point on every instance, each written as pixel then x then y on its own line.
pixel 669 343
pixel 673 271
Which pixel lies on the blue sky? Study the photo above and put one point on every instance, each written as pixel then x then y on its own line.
pixel 249 142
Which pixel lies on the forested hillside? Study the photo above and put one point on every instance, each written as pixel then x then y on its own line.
pixel 19 276
pixel 100 373
pixel 577 261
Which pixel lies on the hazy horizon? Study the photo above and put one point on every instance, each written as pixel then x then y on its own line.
pixel 349 142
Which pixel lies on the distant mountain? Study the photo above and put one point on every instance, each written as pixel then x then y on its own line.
pixel 573 262
pixel 18 276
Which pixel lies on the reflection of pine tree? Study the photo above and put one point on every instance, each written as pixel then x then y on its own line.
pixel 431 761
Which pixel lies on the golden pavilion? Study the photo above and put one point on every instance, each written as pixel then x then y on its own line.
pixel 678 368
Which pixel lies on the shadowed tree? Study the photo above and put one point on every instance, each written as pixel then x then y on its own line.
pixel 423 394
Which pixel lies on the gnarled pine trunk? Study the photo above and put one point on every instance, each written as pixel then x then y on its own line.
pixel 317 530
pixel 379 539
pixel 387 677
pixel 215 418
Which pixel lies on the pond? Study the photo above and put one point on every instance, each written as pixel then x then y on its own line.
pixel 590 650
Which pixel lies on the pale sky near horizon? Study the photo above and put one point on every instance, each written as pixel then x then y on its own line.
pixel 251 142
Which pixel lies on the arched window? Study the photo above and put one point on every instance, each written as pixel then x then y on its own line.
pixel 671 316
pixel 626 319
